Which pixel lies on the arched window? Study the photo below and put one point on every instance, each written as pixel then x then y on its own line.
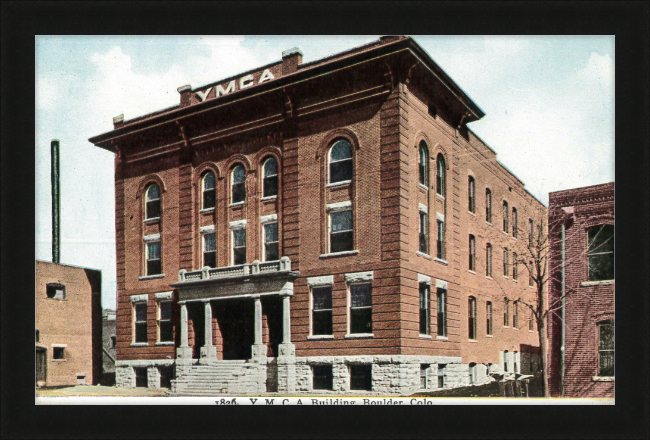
pixel 153 201
pixel 471 193
pixel 270 177
pixel 238 184
pixel 340 161
pixel 505 216
pixel 488 205
pixel 472 318
pixel 208 188
pixel 424 164
pixel 441 173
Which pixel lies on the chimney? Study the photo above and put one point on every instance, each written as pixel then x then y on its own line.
pixel 291 59
pixel 56 204
pixel 185 92
pixel 118 121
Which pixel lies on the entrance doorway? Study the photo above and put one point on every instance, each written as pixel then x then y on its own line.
pixel 41 364
pixel 236 323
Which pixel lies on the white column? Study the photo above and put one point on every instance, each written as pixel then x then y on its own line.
pixel 208 323
pixel 286 319
pixel 184 342
pixel 258 320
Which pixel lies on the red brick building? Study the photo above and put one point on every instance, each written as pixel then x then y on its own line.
pixel 588 217
pixel 333 225
pixel 68 324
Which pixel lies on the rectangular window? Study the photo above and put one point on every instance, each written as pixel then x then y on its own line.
pixel 210 250
pixel 360 308
pixel 424 245
pixel 55 290
pixel 471 325
pixel 361 377
pixel 441 375
pixel 58 352
pixel 488 317
pixel 322 377
pixel 440 251
pixel 516 359
pixel 530 274
pixel 505 216
pixel 472 253
pixel 441 299
pixel 531 233
pixel 341 234
pixel 514 266
pixel 165 329
pixel 140 322
pixel 271 245
pixel 601 253
pixel 37 335
pixel 505 262
pixel 471 193
pixel 424 309
pixel 488 260
pixel 506 361
pixel 424 368
pixel 322 310
pixel 153 258
pixel 515 315
pixel 514 222
pixel 506 312
pixel 238 246
pixel 488 205
pixel 473 373
pixel 531 321
pixel 606 348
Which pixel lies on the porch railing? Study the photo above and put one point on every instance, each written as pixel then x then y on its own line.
pixel 254 268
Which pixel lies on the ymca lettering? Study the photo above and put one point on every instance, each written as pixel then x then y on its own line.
pixel 243 82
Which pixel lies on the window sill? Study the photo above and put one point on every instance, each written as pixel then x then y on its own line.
pixel 163 343
pixel 59 360
pixel 237 204
pixel 489 277
pixel 58 299
pixel 489 336
pixel 471 213
pixel 332 185
pixel 472 340
pixel 425 336
pixel 422 254
pixel 441 261
pixel 359 335
pixel 603 379
pixel 596 283
pixel 442 338
pixel 339 254
pixel 505 233
pixel 264 199
pixel 424 187
pixel 152 220
pixel 139 344
pixel 506 277
pixel 440 196
pixel 151 277
pixel 472 272
pixel 310 337
pixel 515 280
pixel 488 223
pixel 206 210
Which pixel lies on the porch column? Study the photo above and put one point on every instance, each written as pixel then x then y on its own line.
pixel 208 350
pixel 184 352
pixel 286 319
pixel 258 349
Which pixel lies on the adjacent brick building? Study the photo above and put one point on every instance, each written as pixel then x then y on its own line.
pixel 588 217
pixel 68 325
pixel 319 226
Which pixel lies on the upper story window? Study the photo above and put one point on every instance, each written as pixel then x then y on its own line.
pixel 321 310
pixel 340 162
pixel 505 262
pixel 423 164
pixel 606 348
pixel 506 312
pixel 472 318
pixel 531 273
pixel 424 309
pixel 440 245
pixel 238 184
pixel 488 205
pixel 471 194
pixel 531 232
pixel 441 175
pixel 514 222
pixel 505 216
pixel 153 201
pixel 514 265
pixel 270 177
pixel 154 267
pixel 424 241
pixel 210 249
pixel 165 326
pixel 472 253
pixel 55 290
pixel 208 184
pixel 140 322
pixel 488 318
pixel 271 251
pixel 238 246
pixel 341 233
pixel 488 260
pixel 601 253
pixel 361 308
pixel 441 304
pixel 515 315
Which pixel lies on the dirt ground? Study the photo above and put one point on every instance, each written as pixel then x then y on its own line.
pixel 98 390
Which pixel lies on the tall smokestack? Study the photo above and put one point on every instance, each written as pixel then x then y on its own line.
pixel 56 204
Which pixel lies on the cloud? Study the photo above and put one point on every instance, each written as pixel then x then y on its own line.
pixel 47 92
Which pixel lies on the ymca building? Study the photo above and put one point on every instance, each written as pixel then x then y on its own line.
pixel 324 226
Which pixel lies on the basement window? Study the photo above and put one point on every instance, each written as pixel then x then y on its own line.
pixel 423 376
pixel 141 377
pixel 361 377
pixel 55 290
pixel 322 377
pixel 441 375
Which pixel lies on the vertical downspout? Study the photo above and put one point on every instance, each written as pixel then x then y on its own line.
pixel 56 204
pixel 563 316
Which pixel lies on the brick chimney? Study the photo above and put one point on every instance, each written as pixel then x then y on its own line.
pixel 185 92
pixel 389 38
pixel 291 59
pixel 118 121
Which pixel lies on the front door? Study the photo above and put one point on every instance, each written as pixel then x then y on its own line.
pixel 41 364
pixel 235 320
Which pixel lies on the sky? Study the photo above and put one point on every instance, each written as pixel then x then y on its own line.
pixel 548 103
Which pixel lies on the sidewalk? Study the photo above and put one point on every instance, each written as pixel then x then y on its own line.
pixel 98 390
